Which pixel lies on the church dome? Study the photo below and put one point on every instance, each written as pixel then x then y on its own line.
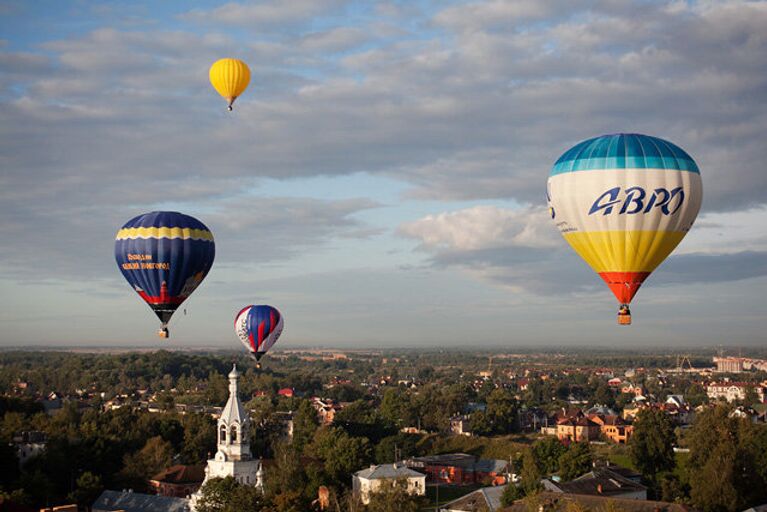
pixel 234 374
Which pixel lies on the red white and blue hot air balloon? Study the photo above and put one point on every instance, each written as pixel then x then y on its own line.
pixel 164 256
pixel 258 328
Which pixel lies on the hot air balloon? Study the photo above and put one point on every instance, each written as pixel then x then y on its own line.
pixel 230 78
pixel 623 202
pixel 258 328
pixel 164 256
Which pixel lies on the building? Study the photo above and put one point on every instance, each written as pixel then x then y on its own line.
pixel 732 391
pixel 370 480
pixel 460 425
pixel 600 482
pixel 178 481
pixel 129 501
pixel 486 499
pixel 728 364
pixel 577 430
pixel 233 457
pixel 29 444
pixel 326 409
pixel 461 469
pixel 613 427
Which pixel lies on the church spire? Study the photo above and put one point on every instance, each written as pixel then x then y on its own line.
pixel 234 423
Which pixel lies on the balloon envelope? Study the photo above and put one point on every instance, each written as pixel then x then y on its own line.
pixel 230 78
pixel 623 202
pixel 258 328
pixel 164 256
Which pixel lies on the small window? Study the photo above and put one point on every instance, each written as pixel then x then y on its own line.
pixel 223 434
pixel 233 434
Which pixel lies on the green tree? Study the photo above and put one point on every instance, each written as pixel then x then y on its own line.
pixel 226 495
pixel 88 488
pixel 199 438
pixel 511 493
pixel 393 497
pixel 603 395
pixel 575 461
pixel 651 447
pixel 305 424
pixel 547 453
pixel 480 424
pixel 138 467
pixel 9 464
pixel 530 475
pixel 727 458
pixel 341 453
pixel 502 411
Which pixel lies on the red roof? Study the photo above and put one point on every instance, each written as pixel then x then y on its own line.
pixel 181 474
pixel 285 392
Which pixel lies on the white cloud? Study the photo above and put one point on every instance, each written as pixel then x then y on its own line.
pixel 483 227
pixel 270 12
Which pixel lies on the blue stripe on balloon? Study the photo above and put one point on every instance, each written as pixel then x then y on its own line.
pixel 624 151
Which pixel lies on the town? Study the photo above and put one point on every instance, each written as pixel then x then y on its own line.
pixel 382 430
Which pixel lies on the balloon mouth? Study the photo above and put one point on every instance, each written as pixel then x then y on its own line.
pixel 230 99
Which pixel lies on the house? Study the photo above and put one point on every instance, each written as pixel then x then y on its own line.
pixel 370 480
pixel 615 382
pixel 326 409
pixel 285 421
pixel 631 389
pixel 613 427
pixel 600 482
pixel 129 501
pixel 577 429
pixel 286 392
pixel 461 469
pixel 29 444
pixel 484 499
pixel 632 410
pixel 459 425
pixel 732 391
pixel 178 481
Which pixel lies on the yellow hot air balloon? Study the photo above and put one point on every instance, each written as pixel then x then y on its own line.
pixel 230 78
pixel 623 202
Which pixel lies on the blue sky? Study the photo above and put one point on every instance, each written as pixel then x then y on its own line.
pixel 382 180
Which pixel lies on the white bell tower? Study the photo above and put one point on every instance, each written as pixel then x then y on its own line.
pixel 233 457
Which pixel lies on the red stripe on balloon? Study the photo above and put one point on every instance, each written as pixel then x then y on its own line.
pixel 624 285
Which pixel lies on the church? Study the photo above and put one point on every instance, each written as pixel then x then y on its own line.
pixel 233 457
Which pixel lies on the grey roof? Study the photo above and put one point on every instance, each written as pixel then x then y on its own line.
pixel 462 460
pixel 137 502
pixel 448 459
pixel 600 482
pixel 489 497
pixel 392 471
pixel 491 465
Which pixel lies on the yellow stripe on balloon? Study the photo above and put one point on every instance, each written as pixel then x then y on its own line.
pixel 164 232
pixel 624 251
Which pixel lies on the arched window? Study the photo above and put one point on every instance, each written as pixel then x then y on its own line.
pixel 223 434
pixel 233 434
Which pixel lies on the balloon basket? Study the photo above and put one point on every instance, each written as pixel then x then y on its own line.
pixel 624 319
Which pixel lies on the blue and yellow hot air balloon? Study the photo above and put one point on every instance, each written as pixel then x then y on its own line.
pixel 624 202
pixel 164 256
pixel 258 328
